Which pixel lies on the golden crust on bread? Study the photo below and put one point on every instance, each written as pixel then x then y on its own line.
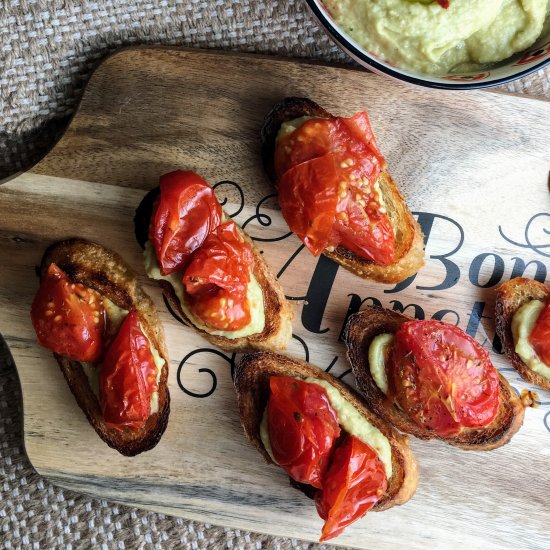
pixel 104 271
pixel 408 237
pixel 511 295
pixel 252 385
pixel 278 310
pixel 362 328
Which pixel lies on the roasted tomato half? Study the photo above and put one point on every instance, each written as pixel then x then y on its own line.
pixel 128 377
pixel 540 336
pixel 354 483
pixel 217 279
pixel 442 378
pixel 183 215
pixel 328 191
pixel 302 426
pixel 69 318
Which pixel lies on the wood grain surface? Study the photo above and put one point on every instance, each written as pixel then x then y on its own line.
pixel 473 167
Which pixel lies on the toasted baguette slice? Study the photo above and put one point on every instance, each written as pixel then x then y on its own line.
pixel 252 384
pixel 104 271
pixel 409 239
pixel 362 328
pixel 278 311
pixel 511 295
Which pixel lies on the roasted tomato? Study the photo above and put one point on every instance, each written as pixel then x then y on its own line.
pixel 183 215
pixel 327 170
pixel 442 378
pixel 302 428
pixel 540 336
pixel 128 377
pixel 354 482
pixel 69 318
pixel 317 137
pixel 217 279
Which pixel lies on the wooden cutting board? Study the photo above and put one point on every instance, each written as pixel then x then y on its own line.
pixel 473 167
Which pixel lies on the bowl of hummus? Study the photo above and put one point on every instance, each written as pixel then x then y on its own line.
pixel 442 43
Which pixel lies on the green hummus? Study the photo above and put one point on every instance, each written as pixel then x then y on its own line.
pixel 523 323
pixel 424 37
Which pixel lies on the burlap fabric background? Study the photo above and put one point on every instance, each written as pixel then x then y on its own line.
pixel 47 51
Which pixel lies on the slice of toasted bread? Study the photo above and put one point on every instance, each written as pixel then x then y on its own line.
pixel 511 295
pixel 104 271
pixel 278 311
pixel 362 328
pixel 252 384
pixel 409 253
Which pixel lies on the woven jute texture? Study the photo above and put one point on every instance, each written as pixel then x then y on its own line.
pixel 47 52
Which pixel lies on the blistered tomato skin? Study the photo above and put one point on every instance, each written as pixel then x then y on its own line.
pixel 68 318
pixel 327 170
pixel 184 214
pixel 127 378
pixel 217 278
pixel 317 137
pixel 442 378
pixel 355 481
pixel 540 336
pixel 309 201
pixel 303 427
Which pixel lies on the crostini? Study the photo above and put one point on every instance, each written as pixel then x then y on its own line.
pixel 522 313
pixel 320 431
pixel 430 379
pixel 209 270
pixel 336 193
pixel 106 336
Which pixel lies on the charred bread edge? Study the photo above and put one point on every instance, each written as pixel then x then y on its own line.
pixel 511 295
pixel 409 238
pixel 104 271
pixel 278 311
pixel 362 327
pixel 252 385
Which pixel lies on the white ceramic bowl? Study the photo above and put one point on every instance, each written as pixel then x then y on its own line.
pixel 522 64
